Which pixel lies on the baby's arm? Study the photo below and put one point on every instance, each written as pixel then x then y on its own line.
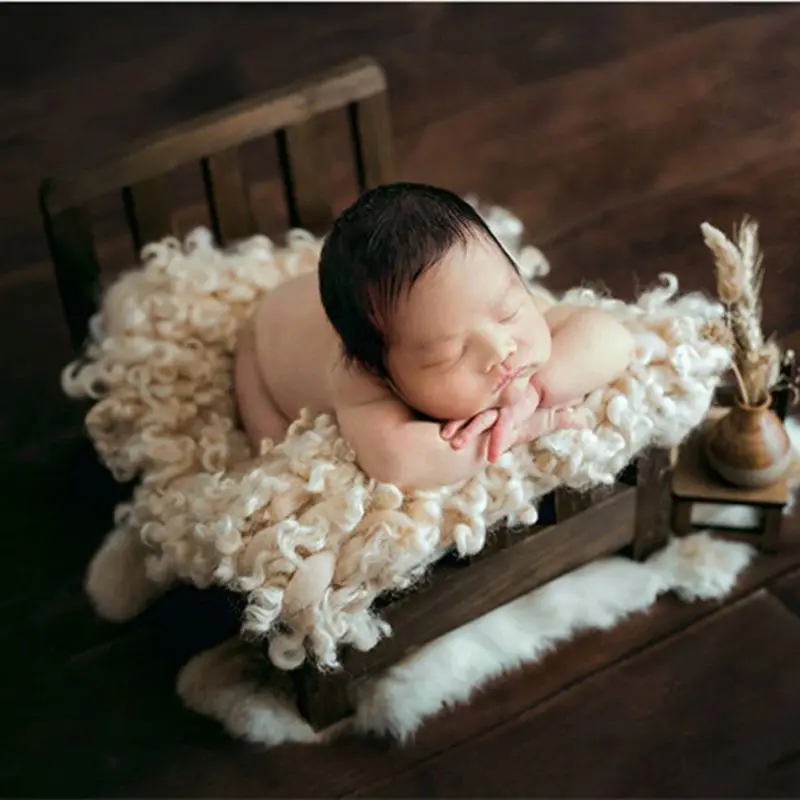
pixel 590 349
pixel 392 446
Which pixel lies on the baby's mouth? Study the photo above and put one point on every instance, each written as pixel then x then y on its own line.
pixel 514 375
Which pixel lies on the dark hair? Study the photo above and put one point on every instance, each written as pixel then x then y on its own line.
pixel 377 249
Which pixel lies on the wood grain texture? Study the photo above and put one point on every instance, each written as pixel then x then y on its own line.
pixel 569 502
pixel 305 176
pixel 787 589
pixel 652 512
pixel 227 196
pixel 373 141
pixel 440 59
pixel 148 209
pixel 611 725
pixel 222 130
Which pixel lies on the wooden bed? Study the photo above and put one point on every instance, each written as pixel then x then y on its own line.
pixel 632 518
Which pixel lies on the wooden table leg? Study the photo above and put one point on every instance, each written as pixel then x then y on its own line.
pixel 770 540
pixel 651 523
pixel 681 516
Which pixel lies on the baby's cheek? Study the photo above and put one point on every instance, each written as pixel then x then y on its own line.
pixel 448 385
pixel 462 395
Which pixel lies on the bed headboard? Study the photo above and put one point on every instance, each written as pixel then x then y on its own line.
pixel 213 142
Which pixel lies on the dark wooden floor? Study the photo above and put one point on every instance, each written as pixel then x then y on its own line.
pixel 613 131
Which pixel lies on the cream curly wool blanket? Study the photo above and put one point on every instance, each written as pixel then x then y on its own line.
pixel 301 520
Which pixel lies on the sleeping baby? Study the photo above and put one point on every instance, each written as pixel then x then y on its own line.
pixel 422 339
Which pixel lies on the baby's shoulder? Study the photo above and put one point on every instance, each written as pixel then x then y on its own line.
pixel 299 294
pixel 352 386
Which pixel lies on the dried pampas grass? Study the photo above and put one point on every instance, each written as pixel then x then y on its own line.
pixel 740 275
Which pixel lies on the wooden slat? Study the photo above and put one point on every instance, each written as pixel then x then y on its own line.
pixel 570 502
pixel 304 177
pixel 148 211
pixel 228 128
pixel 226 193
pixel 457 596
pixel 77 269
pixel 371 131
pixel 653 502
pixel 498 538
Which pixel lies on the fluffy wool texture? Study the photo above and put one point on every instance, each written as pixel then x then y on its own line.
pixel 209 511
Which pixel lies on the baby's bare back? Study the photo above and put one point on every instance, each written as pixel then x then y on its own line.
pixel 295 347
pixel 289 358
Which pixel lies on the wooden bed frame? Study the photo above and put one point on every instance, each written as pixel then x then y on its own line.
pixel 632 518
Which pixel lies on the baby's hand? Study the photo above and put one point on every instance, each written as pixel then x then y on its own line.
pixel 512 430
pixel 511 419
pixel 461 431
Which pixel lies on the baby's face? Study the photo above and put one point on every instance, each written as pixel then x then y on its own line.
pixel 467 337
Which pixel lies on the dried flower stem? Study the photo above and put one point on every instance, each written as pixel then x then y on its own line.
pixel 740 275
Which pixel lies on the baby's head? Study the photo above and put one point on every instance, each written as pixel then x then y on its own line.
pixel 423 296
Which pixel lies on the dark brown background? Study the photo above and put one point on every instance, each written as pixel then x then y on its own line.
pixel 613 132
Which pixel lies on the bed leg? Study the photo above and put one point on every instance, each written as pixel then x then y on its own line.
pixel 323 698
pixel 652 520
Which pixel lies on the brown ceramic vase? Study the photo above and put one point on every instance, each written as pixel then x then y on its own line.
pixel 749 447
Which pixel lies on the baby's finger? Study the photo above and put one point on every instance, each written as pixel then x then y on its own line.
pixel 451 428
pixel 482 422
pixel 501 438
pixel 475 427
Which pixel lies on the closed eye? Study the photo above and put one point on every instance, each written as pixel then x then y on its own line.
pixel 445 361
pixel 510 317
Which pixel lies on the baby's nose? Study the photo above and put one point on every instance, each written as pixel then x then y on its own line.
pixel 502 349
pixel 499 346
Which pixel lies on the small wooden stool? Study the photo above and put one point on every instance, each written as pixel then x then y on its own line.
pixel 694 482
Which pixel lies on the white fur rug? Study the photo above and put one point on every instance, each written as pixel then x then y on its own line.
pixel 220 683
